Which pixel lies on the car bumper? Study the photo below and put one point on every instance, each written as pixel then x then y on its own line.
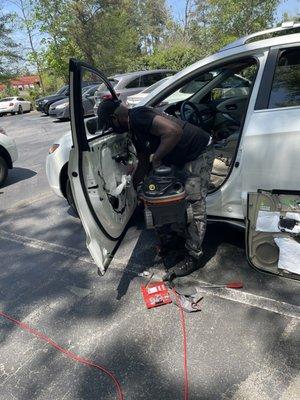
pixel 7 110
pixel 63 113
pixel 12 150
pixel 40 107
pixel 53 170
pixel 52 113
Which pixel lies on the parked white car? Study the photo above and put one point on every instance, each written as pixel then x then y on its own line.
pixel 14 105
pixel 257 140
pixel 57 167
pixel 8 155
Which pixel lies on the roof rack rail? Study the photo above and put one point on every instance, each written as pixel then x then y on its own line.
pixel 286 28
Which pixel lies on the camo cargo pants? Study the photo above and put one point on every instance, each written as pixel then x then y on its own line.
pixel 197 175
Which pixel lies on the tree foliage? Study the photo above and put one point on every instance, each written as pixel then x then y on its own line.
pixel 8 48
pixel 122 35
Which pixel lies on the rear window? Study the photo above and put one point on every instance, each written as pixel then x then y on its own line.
pixel 103 86
pixel 62 90
pixel 135 83
pixel 150 79
pixel 286 82
pixel 7 99
pixel 153 87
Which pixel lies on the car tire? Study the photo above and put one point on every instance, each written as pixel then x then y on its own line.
pixel 46 110
pixel 3 170
pixel 20 110
pixel 70 198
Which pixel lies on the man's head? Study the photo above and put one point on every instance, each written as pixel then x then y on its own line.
pixel 113 114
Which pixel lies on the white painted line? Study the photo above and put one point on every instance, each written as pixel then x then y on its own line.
pixel 45 246
pixel 290 329
pixel 238 296
pixel 25 203
pixel 253 300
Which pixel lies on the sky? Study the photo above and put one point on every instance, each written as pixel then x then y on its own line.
pixel 290 6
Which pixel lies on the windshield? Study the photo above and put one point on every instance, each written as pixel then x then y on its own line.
pixel 190 88
pixel 62 90
pixel 7 99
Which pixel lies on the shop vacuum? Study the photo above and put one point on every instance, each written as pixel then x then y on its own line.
pixel 164 198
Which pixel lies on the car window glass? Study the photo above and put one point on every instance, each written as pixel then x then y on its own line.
pixel 135 83
pixel 21 99
pixel 7 99
pixel 285 90
pixel 98 125
pixel 233 86
pixel 91 91
pixel 62 90
pixel 190 88
pixel 155 85
pixel 150 79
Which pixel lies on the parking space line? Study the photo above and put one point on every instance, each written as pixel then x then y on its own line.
pixel 45 246
pixel 246 298
pixel 28 202
pixel 253 300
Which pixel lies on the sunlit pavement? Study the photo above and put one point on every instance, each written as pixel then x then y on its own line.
pixel 241 346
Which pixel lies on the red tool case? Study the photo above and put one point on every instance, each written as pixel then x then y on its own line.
pixel 156 294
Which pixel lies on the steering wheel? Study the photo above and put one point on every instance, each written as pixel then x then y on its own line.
pixel 189 112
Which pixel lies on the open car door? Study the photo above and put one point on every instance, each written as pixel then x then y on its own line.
pixel 101 166
pixel 273 232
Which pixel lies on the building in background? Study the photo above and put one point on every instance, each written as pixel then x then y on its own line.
pixel 23 83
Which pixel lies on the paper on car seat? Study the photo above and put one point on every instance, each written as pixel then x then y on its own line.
pixel 267 221
pixel 296 217
pixel 289 254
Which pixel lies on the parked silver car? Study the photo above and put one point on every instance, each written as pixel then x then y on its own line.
pixel 131 83
pixel 61 110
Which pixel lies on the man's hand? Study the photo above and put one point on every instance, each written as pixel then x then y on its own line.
pixel 156 162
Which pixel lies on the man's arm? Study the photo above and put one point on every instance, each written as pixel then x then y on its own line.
pixel 169 133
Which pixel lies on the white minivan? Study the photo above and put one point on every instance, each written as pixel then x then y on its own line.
pixel 248 96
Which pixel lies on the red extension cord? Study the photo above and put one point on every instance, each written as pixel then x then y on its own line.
pixel 89 363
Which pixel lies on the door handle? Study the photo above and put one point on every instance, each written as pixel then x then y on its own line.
pixel 231 107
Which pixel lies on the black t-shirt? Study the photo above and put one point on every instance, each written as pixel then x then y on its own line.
pixel 192 143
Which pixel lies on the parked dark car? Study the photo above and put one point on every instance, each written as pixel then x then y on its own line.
pixel 61 109
pixel 130 83
pixel 42 104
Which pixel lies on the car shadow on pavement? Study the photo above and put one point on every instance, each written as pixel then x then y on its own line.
pixel 145 254
pixel 18 174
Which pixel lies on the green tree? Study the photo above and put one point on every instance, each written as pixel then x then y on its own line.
pixel 27 22
pixel 8 48
pixel 219 22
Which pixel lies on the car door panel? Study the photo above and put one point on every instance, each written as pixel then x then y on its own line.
pixel 101 166
pixel 270 216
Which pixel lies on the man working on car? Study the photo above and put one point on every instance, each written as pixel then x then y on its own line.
pixel 167 140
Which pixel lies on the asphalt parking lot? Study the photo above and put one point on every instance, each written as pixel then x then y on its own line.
pixel 243 345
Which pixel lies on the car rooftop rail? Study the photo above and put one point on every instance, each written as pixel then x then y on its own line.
pixel 286 28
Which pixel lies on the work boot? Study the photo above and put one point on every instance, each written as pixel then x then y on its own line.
pixel 187 266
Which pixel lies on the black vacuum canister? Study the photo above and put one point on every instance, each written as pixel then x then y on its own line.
pixel 164 198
